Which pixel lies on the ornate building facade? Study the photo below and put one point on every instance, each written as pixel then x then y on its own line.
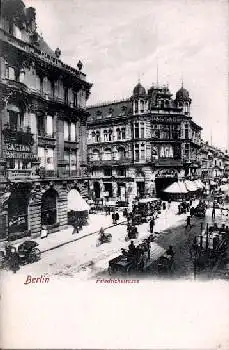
pixel 42 127
pixel 138 146
pixel 214 162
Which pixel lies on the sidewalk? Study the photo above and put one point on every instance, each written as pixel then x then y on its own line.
pixel 60 238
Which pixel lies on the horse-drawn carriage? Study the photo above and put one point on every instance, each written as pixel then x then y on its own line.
pixel 199 211
pixel 144 208
pixel 140 260
pixel 183 207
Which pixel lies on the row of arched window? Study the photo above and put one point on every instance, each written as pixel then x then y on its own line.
pixel 108 154
pixel 108 135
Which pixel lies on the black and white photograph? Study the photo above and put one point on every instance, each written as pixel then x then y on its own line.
pixel 114 167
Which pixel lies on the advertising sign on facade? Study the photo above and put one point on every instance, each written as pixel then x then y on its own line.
pixel 17 151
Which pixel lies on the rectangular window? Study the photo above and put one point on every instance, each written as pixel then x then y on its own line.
pixel 143 155
pixel 41 125
pixel 186 131
pixel 142 130
pixel 107 172
pixel 13 120
pixel 41 156
pixel 136 153
pixel 73 132
pixel 73 161
pixel 66 131
pixel 123 133
pixel 50 125
pixel 119 135
pixel 136 130
pixel 121 172
pixel 67 159
pixel 74 99
pixel 50 159
pixel 66 95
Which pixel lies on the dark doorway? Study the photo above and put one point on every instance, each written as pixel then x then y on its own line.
pixel 108 188
pixel 97 189
pixel 161 183
pixel 49 207
pixel 140 189
pixel 18 210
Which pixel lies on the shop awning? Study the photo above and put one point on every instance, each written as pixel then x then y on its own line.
pixel 176 187
pixel 76 201
pixel 191 186
pixel 199 184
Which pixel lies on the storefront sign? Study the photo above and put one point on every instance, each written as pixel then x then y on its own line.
pixel 17 151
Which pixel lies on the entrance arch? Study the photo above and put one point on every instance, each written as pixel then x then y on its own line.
pixel 18 203
pixel 49 207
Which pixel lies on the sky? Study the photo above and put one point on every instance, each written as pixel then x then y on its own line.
pixel 120 41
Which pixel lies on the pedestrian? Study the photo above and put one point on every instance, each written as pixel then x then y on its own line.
pixel 213 213
pixel 113 216
pixel 14 261
pixel 188 222
pixel 117 217
pixel 151 224
pixel 76 226
pixel 125 213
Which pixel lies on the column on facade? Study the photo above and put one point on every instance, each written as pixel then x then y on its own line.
pixel 34 215
pixel 62 209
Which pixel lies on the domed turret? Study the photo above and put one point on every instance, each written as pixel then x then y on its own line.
pixel 139 90
pixel 182 94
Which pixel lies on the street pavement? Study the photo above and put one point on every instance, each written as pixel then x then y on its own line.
pixel 84 260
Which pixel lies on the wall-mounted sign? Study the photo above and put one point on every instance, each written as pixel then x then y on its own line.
pixel 17 151
pixel 18 148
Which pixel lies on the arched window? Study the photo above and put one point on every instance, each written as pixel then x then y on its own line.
pixel 135 106
pixel 49 207
pixel 16 117
pixel 105 135
pixel 118 132
pixel 110 135
pixel 121 153
pixel 97 136
pixel 93 136
pixel 107 154
pixel 142 105
pixel 95 154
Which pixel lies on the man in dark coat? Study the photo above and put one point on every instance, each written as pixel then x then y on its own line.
pixel 113 216
pixel 14 262
pixel 151 225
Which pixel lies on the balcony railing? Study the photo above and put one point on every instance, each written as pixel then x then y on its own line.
pixel 24 137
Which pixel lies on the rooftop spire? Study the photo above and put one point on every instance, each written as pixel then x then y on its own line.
pixel 157 74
